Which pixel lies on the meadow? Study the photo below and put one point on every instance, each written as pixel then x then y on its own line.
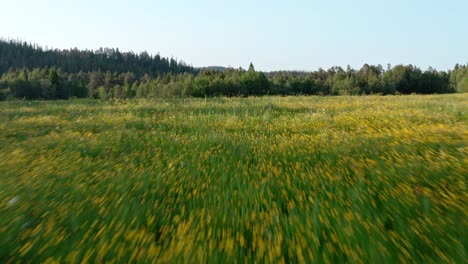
pixel 365 179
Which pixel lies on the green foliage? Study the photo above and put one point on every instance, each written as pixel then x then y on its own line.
pixel 18 54
pixel 459 78
pixel 116 92
pixel 47 88
pixel 74 73
pixel 103 95
pixel 54 84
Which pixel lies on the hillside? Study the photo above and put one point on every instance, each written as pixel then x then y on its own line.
pixel 18 54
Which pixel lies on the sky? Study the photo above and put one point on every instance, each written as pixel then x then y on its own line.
pixel 273 35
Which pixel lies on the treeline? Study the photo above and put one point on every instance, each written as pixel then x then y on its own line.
pixel 37 73
pixel 17 54
pixel 403 79
pixel 53 83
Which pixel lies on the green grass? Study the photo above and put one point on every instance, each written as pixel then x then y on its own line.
pixel 276 179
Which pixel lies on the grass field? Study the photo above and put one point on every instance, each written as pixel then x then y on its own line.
pixel 296 179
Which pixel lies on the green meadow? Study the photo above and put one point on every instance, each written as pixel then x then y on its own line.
pixel 364 179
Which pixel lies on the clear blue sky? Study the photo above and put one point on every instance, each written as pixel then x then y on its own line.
pixel 274 35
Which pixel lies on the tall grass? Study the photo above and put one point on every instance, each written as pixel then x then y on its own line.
pixel 276 179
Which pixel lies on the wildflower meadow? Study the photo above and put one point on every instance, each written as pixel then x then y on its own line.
pixel 365 179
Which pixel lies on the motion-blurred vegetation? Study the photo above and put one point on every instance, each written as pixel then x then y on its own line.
pixel 278 179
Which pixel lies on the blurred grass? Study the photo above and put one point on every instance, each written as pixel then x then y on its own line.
pixel 275 179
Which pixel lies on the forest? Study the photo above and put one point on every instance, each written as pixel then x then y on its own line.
pixel 30 71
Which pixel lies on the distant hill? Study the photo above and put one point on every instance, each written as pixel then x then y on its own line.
pixel 17 54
